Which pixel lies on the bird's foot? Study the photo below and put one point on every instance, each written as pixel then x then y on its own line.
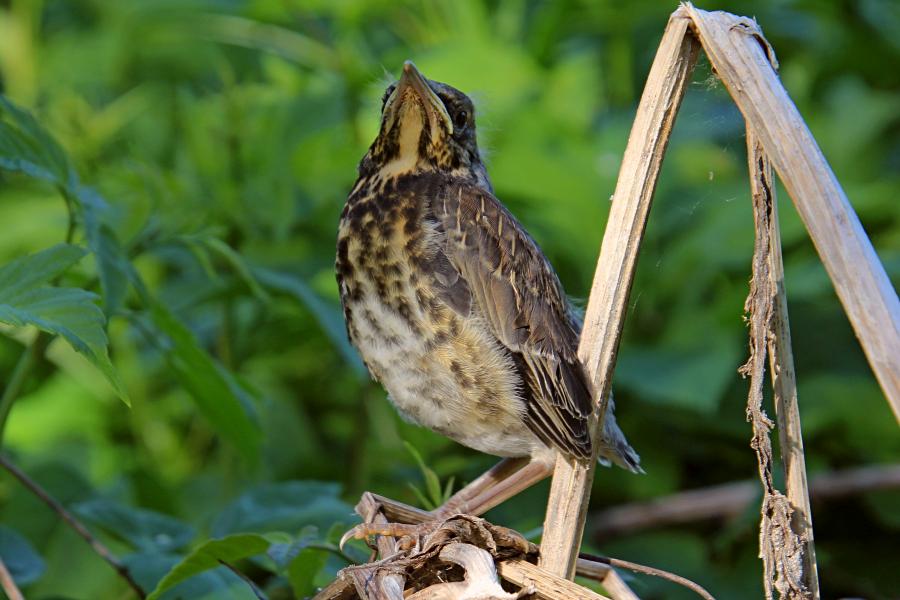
pixel 408 536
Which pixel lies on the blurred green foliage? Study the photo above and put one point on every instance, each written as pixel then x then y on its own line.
pixel 195 154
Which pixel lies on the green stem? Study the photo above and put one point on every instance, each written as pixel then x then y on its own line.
pixel 19 376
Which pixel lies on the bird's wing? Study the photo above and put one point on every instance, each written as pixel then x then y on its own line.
pixel 519 295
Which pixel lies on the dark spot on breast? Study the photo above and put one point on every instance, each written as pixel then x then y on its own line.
pixel 373 322
pixel 489 405
pixel 401 306
pixel 380 287
pixel 440 338
pixel 462 378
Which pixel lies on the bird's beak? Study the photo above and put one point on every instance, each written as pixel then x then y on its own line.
pixel 413 81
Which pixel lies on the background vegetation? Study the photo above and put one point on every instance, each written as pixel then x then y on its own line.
pixel 196 154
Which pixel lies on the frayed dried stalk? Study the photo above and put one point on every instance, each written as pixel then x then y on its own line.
pixel 780 547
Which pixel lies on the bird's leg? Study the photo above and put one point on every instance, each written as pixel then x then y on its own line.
pixel 499 483
pixel 503 469
pixel 503 481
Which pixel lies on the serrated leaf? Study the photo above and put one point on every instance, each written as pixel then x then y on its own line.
pixel 215 391
pixel 144 530
pixel 33 270
pixel 26 147
pixel 23 562
pixel 285 506
pixel 211 555
pixel 328 316
pixel 71 313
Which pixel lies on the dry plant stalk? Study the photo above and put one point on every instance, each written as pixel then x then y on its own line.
pixel 608 300
pixel 779 546
pixel 781 361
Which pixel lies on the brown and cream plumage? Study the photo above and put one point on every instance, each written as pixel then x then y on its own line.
pixel 452 305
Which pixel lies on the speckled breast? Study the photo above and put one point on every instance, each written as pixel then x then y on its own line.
pixel 442 368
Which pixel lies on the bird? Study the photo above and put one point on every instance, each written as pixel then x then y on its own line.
pixel 453 306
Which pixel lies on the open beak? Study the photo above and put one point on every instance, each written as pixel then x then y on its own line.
pixel 413 81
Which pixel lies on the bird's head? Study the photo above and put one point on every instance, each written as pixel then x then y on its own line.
pixel 426 126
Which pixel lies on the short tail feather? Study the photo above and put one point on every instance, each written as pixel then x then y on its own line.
pixel 614 448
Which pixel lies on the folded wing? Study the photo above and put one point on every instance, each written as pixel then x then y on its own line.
pixel 515 289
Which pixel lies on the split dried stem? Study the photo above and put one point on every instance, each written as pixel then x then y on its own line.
pixel 781 361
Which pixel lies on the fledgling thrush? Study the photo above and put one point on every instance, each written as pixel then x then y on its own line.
pixel 452 305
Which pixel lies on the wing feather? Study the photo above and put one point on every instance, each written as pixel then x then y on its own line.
pixel 517 292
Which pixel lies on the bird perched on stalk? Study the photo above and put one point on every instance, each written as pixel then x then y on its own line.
pixel 453 306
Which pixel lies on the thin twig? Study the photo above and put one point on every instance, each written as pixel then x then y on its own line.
pixel 730 500
pixel 638 568
pixel 9 586
pixel 255 588
pixel 70 520
pixel 29 357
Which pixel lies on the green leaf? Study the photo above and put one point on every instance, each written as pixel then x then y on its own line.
pixel 690 377
pixel 237 263
pixel 202 245
pixel 148 569
pixel 144 530
pixel 23 563
pixel 436 496
pixel 303 569
pixel 112 263
pixel 286 506
pixel 328 316
pixel 71 313
pixel 211 555
pixel 26 147
pixel 217 394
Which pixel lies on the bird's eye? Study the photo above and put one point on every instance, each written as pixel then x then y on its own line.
pixel 461 119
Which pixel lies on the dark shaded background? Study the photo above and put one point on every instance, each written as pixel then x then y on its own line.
pixel 224 136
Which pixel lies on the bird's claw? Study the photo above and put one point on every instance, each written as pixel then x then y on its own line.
pixel 395 530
